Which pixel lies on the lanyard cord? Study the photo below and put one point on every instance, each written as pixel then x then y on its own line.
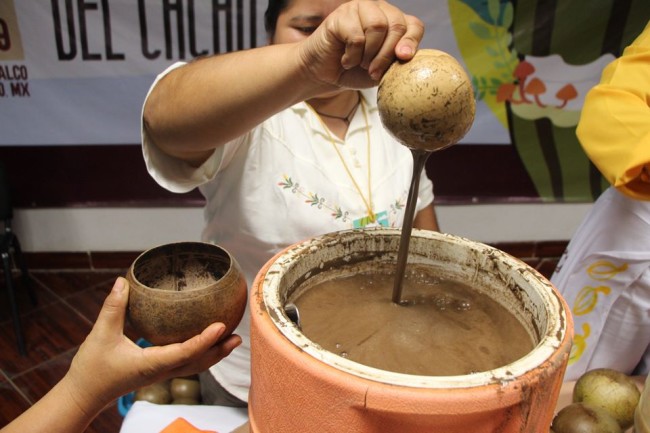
pixel 368 202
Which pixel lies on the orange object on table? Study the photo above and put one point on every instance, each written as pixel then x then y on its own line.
pixel 181 425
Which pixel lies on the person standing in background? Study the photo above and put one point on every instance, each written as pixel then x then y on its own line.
pixel 604 274
pixel 285 141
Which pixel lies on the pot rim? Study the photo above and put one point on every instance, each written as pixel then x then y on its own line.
pixel 204 246
pixel 554 336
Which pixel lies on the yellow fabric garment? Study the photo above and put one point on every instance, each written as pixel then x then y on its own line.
pixel 614 127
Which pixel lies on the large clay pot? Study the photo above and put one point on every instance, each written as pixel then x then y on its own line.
pixel 298 386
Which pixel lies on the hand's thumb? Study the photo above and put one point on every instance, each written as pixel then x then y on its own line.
pixel 113 311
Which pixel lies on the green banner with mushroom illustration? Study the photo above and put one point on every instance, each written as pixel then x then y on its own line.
pixel 532 62
pixel 75 73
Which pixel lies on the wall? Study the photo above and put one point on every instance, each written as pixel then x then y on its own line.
pixel 136 229
pixel 100 198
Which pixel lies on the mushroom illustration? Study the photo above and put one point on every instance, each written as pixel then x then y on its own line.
pixel 523 70
pixel 505 92
pixel 536 87
pixel 566 94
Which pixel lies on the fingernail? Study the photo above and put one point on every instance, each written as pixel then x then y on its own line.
pixel 221 329
pixel 119 285
pixel 407 50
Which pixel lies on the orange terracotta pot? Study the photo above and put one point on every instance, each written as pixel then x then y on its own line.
pixel 298 386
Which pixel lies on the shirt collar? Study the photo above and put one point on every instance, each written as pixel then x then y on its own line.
pixel 370 100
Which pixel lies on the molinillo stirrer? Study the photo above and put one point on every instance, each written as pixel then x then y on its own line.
pixel 427 104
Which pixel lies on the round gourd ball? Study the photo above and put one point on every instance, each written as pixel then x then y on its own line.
pixel 584 418
pixel 611 390
pixel 428 102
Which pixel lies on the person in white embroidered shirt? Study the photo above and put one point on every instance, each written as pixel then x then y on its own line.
pixel 285 141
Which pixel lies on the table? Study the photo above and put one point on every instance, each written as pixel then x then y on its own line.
pixel 145 417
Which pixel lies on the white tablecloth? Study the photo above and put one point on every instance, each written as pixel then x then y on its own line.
pixel 144 417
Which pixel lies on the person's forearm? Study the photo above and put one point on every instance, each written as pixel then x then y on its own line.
pixel 210 101
pixel 58 411
pixel 426 219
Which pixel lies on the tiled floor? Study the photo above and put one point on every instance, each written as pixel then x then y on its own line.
pixel 68 303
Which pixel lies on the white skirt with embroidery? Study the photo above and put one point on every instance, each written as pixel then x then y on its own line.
pixel 604 275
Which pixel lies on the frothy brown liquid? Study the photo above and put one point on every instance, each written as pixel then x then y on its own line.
pixel 443 328
pixel 187 275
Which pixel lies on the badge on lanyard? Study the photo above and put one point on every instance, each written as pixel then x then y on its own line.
pixel 380 220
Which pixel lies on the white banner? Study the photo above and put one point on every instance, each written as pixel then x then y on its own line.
pixel 77 71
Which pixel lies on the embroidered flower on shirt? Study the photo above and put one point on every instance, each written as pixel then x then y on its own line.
pixel 397 206
pixel 603 270
pixel 579 343
pixel 287 183
pixel 339 214
pixel 313 199
pixel 590 302
pixel 383 218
